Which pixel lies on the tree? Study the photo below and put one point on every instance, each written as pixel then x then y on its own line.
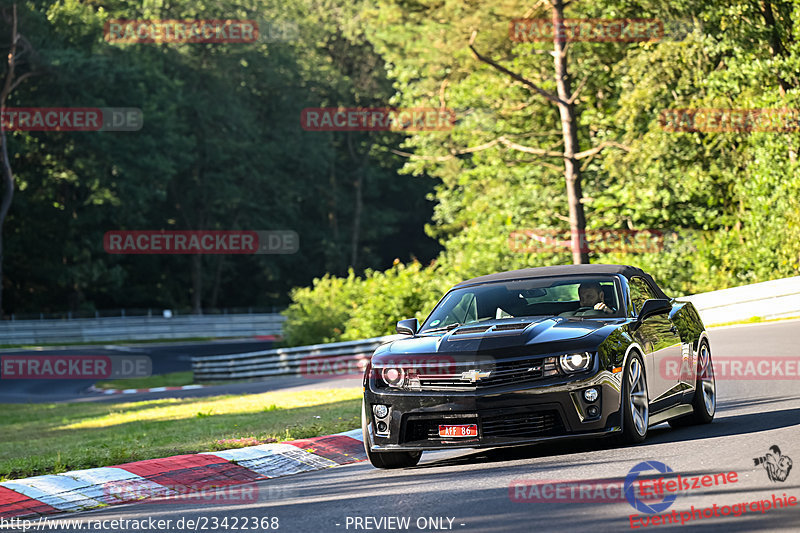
pixel 18 48
pixel 564 99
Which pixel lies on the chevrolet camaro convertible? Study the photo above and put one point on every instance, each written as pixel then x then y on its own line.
pixel 538 354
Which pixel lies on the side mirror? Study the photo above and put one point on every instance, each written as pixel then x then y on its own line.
pixel 654 307
pixel 409 326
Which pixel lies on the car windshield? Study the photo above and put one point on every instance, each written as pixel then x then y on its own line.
pixel 576 296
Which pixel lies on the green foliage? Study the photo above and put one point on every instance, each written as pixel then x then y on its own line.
pixel 728 200
pixel 221 148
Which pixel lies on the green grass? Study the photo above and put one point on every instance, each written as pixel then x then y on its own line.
pixel 53 438
pixel 173 379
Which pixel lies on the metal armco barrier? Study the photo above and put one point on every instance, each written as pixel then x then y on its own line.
pixel 333 358
pixel 139 328
pixel 778 298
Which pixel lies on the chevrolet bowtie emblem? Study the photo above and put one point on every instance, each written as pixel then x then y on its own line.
pixel 475 375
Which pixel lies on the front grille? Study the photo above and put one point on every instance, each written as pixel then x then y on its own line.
pixel 427 429
pixel 502 373
pixel 511 426
pixel 522 425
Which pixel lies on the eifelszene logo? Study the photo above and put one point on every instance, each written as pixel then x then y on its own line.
pixel 777 466
pixel 635 499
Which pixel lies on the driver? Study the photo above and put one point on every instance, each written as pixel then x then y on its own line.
pixel 592 296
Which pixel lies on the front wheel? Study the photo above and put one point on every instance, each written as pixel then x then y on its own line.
pixel 635 404
pixel 385 459
pixel 704 403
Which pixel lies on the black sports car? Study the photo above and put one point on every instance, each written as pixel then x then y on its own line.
pixel 536 354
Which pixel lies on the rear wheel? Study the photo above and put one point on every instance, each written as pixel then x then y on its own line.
pixel 704 403
pixel 385 459
pixel 635 404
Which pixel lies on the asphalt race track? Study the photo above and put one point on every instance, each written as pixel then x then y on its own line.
pixel 469 490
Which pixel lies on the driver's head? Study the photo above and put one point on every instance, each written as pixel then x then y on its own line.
pixel 590 294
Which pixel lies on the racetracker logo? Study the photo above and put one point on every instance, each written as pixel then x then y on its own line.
pixel 376 119
pixel 201 492
pixel 75 366
pixel 550 240
pixel 647 494
pixel 201 242
pixel 72 119
pixel 735 368
pixel 595 30
pixel 320 367
pixel 718 120
pixel 181 31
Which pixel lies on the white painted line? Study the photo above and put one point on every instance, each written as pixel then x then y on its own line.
pixel 751 324
pixel 353 434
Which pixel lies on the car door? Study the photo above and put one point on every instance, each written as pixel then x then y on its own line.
pixel 661 343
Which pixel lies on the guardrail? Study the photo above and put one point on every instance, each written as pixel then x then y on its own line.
pixel 770 299
pixel 282 361
pixel 139 328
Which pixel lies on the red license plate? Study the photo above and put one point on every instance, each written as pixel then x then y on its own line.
pixel 462 430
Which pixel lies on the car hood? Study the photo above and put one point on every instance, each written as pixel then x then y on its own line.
pixel 506 336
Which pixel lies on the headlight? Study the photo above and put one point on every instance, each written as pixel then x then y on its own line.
pixel 394 377
pixel 575 362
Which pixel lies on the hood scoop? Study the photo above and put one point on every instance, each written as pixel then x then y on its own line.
pixel 496 329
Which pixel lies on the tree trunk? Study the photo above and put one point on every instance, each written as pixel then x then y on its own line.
pixel 359 205
pixel 8 195
pixel 569 130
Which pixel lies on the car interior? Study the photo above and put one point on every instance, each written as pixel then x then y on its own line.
pixel 506 301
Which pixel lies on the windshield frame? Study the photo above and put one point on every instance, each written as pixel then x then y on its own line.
pixel 622 312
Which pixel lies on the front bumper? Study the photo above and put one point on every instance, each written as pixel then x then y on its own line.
pixel 547 409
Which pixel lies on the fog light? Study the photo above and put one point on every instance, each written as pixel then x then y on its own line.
pixel 593 411
pixel 381 411
pixel 382 427
pixel 590 395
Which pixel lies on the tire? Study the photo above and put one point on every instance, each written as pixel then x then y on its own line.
pixel 635 403
pixel 385 459
pixel 704 402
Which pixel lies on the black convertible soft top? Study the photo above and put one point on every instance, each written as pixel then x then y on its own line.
pixel 564 270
